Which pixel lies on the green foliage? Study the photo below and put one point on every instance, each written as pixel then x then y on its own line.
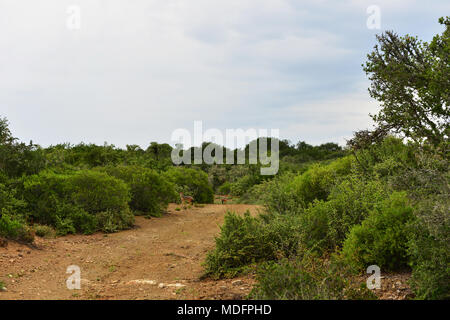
pixel 245 240
pixel 18 158
pixel 279 196
pixel 150 192
pixel 77 202
pixel 43 231
pixel 318 180
pixel 382 238
pixel 240 186
pixel 350 203
pixel 225 188
pixel 191 182
pixel 15 228
pixel 410 80
pixel 97 192
pixel 306 278
pixel 429 245
pixel 314 223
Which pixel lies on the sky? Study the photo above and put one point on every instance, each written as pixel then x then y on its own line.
pixel 132 72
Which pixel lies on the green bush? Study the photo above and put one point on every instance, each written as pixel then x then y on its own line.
pixel 306 278
pixel 245 240
pixel 97 192
pixel 326 224
pixel 314 223
pixel 291 193
pixel 351 202
pixel 77 201
pixel 279 196
pixel 225 188
pixel 191 182
pixel 43 231
pixel 318 180
pixel 15 228
pixel 12 211
pixel 242 184
pixel 429 248
pixel 150 192
pixel 382 238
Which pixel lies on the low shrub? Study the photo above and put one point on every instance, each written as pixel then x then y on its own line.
pixel 382 238
pixel 429 248
pixel 314 223
pixel 245 240
pixel 317 182
pixel 350 203
pixel 306 278
pixel 224 188
pixel 77 201
pixel 191 182
pixel 44 231
pixel 14 228
pixel 150 192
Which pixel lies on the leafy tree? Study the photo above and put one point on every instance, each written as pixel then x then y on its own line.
pixel 18 158
pixel 410 78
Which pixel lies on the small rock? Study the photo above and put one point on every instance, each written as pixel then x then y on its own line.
pixel 143 281
pixel 237 282
pixel 176 285
pixel 4 289
pixel 161 285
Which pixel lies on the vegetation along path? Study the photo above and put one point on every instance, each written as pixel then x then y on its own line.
pixel 161 258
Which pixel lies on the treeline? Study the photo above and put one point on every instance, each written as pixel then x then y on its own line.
pixel 86 188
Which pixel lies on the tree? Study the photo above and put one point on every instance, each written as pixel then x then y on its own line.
pixel 411 80
pixel 17 158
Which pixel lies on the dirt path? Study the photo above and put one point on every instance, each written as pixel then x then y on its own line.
pixel 159 259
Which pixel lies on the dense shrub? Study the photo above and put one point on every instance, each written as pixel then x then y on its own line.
pixel 429 248
pixel 14 228
pixel 43 231
pixel 97 192
pixel 150 192
pixel 351 202
pixel 245 240
pixel 12 222
pixel 306 278
pixel 382 238
pixel 318 180
pixel 77 202
pixel 241 185
pixel 224 188
pixel 191 182
pixel 291 193
pixel 279 196
pixel 314 223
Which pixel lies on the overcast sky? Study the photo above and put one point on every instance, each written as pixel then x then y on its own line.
pixel 137 70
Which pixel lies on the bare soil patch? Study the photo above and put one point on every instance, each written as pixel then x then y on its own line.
pixel 161 258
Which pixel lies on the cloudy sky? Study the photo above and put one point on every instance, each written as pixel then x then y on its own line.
pixel 137 70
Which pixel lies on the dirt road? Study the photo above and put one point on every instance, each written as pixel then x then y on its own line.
pixel 159 259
